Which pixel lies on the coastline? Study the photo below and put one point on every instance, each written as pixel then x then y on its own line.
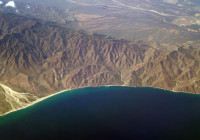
pixel 35 102
pixel 49 96
pixel 154 88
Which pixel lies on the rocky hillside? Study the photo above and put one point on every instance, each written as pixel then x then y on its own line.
pixel 44 59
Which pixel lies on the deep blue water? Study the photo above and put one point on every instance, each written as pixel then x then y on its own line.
pixel 107 113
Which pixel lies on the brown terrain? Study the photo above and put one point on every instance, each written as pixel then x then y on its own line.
pixel 150 21
pixel 39 59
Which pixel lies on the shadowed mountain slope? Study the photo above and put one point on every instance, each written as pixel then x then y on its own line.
pixel 44 59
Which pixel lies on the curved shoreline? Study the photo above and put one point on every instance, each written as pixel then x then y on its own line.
pixel 49 96
pixel 34 102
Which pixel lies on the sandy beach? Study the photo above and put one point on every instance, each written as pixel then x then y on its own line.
pixel 35 102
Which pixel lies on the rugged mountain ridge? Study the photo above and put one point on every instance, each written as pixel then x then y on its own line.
pixel 43 59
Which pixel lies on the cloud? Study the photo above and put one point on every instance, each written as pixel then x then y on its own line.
pixel 10 4
pixel 1 2
pixel 28 6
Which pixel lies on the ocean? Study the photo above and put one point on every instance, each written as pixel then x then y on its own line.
pixel 111 113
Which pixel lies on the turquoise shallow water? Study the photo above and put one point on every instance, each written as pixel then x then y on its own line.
pixel 107 113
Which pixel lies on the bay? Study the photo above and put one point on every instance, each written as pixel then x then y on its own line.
pixel 107 113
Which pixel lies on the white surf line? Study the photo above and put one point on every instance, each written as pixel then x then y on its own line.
pixel 43 98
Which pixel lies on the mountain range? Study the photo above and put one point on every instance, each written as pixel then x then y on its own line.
pixel 39 59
